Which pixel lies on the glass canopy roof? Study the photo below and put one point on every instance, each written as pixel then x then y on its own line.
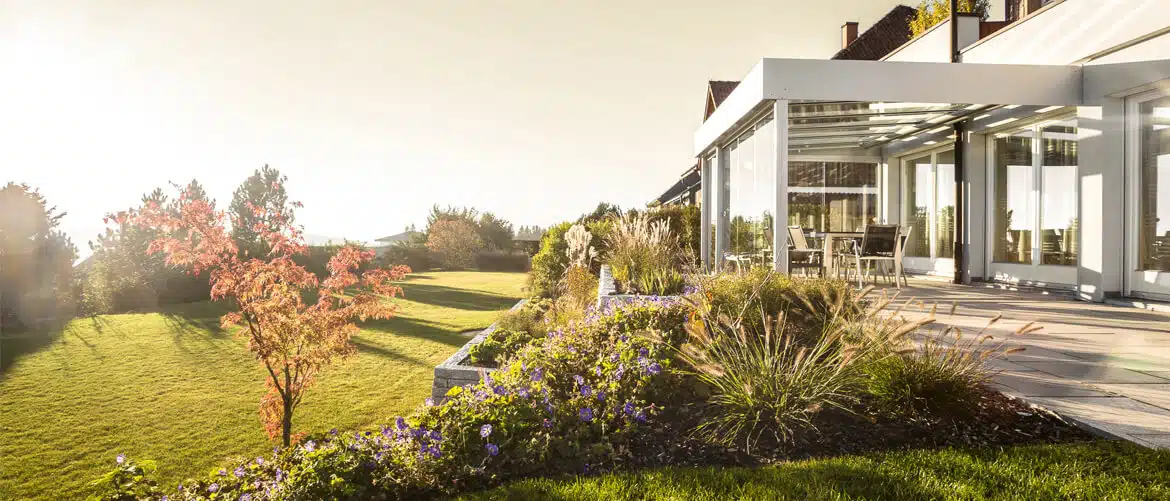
pixel 853 124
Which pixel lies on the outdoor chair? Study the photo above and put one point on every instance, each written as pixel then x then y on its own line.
pixel 903 239
pixel 800 254
pixel 879 244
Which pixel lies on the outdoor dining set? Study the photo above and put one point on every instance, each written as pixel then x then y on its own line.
pixel 878 249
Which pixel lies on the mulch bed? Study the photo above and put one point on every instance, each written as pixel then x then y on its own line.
pixel 998 421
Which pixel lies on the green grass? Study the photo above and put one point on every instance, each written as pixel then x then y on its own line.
pixel 173 387
pixel 1089 471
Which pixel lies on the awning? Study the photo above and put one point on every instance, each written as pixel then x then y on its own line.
pixel 690 181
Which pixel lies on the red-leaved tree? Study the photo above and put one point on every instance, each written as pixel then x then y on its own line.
pixel 292 337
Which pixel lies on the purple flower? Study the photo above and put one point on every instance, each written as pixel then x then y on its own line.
pixel 213 488
pixel 621 371
pixel 643 352
pixel 260 461
pixel 498 390
pixel 523 392
pixel 222 472
pixel 400 423
pixel 547 423
pixel 120 459
pixel 628 408
pixel 333 431
pixel 586 414
pixel 436 453
pixel 537 374
pixel 279 475
pixel 597 370
pixel 245 497
pixel 640 416
pixel 654 369
pixel 492 450
pixel 436 436
pixel 430 402
pixel 580 380
pixel 601 396
pixel 239 471
pixel 614 357
pixel 586 390
pixel 164 498
pixel 487 380
pixel 485 431
pixel 310 446
pixel 378 456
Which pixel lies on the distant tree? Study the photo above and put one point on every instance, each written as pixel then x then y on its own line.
pixel 452 213
pixel 932 12
pixel 495 232
pixel 256 205
pixel 456 243
pixel 603 210
pixel 292 338
pixel 36 259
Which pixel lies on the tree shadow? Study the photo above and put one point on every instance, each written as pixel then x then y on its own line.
pixel 461 299
pixel 365 347
pixel 417 328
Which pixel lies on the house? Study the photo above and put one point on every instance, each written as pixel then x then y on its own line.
pixel 381 245
pixel 1032 150
pixel 885 35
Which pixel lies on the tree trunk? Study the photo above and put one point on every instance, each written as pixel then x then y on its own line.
pixel 286 423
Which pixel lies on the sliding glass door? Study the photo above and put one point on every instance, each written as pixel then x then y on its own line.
pixel 1034 201
pixel 928 211
pixel 1149 167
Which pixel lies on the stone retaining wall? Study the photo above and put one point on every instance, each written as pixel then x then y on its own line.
pixel 452 372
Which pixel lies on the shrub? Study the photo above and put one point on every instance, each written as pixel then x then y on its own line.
pixel 501 342
pixel 501 261
pixel 767 386
pixel 644 256
pixel 685 221
pixel 416 256
pixel 935 375
pixel 807 305
pixel 550 263
pixel 455 242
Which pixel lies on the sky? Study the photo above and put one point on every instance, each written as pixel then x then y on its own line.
pixel 533 109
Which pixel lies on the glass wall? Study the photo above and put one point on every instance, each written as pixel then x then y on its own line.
pixel 916 213
pixel 1154 232
pixel 1058 193
pixel 944 203
pixel 752 179
pixel 832 196
pixel 1013 193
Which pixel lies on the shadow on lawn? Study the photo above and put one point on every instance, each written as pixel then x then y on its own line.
pixel 417 328
pixel 461 299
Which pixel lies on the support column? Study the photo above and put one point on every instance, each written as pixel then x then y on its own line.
pixel 960 229
pixel 780 213
pixel 1101 213
pixel 705 187
pixel 722 206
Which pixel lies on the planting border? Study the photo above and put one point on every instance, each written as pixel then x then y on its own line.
pixel 452 372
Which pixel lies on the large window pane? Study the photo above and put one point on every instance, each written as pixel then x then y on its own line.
pixel 916 209
pixel 1013 190
pixel 1154 234
pixel 832 196
pixel 752 180
pixel 944 212
pixel 1058 194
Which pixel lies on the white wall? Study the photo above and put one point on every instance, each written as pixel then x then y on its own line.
pixel 1071 31
pixel 935 45
pixel 1149 50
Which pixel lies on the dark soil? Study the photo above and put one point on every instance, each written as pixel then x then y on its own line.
pixel 997 421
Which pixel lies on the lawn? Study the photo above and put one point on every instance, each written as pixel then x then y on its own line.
pixel 1093 470
pixel 171 386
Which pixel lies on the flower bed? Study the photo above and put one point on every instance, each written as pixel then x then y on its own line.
pixel 455 371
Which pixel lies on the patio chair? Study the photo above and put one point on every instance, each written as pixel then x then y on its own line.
pixel 879 244
pixel 903 238
pixel 800 254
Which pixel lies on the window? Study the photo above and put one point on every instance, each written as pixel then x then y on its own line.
pixel 1154 232
pixel 752 184
pixel 832 196
pixel 928 208
pixel 1058 193
pixel 1036 195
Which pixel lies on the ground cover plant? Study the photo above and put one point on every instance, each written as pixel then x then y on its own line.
pixel 172 386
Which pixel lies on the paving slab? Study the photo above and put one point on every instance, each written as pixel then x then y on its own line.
pixel 1039 384
pixel 1157 394
pixel 1115 416
pixel 1088 372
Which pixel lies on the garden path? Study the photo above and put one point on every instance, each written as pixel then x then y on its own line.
pixel 1103 367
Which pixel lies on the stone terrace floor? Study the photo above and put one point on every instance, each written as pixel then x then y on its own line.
pixel 1103 367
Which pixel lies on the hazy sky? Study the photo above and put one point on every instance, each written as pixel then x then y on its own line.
pixel 535 110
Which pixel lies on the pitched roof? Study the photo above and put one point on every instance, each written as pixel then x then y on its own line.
pixel 717 91
pixel 398 237
pixel 887 34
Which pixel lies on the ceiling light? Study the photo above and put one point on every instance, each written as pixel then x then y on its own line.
pixel 938 129
pixel 1048 109
pixel 1001 122
pixel 980 117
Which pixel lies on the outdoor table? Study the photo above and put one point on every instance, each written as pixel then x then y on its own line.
pixel 829 237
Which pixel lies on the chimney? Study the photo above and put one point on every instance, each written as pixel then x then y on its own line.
pixel 848 33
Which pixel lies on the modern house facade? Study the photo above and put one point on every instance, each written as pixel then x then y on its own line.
pixel 1035 150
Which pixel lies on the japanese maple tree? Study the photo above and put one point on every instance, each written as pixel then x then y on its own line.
pixel 293 337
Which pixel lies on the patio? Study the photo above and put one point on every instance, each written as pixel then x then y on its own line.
pixel 1103 367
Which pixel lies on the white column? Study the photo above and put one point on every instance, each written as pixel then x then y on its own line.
pixel 780 218
pixel 1101 159
pixel 706 186
pixel 722 205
